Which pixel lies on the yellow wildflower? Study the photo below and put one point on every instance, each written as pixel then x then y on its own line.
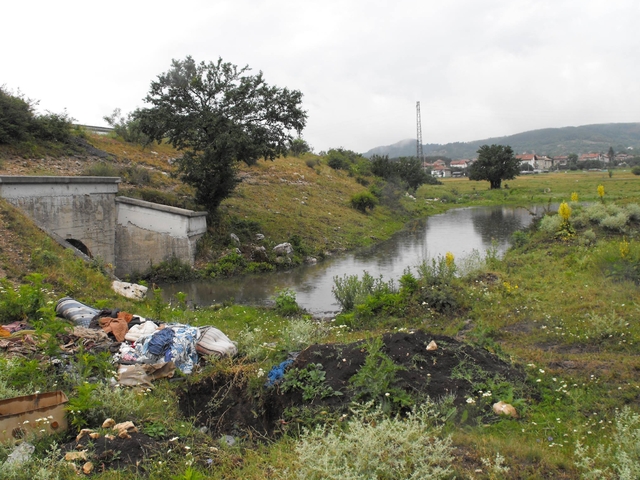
pixel 624 248
pixel 574 197
pixel 564 211
pixel 601 191
pixel 449 259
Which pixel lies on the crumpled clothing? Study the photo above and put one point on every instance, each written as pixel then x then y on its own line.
pixel 183 349
pixel 161 342
pixel 143 375
pixel 143 329
pixel 88 338
pixel 126 353
pixel 277 373
pixel 117 326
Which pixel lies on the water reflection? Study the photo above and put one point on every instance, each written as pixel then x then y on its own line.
pixel 459 231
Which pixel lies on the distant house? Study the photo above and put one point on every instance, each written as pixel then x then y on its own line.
pixel 440 171
pixel 593 156
pixel 562 160
pixel 544 162
pixel 459 164
pixel 529 159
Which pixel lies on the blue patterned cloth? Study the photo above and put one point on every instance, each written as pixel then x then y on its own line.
pixel 182 351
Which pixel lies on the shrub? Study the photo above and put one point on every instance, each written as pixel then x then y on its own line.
pixel 376 379
pixel 286 304
pixel 24 302
pixel 550 223
pixel 136 175
pixel 633 209
pixel 171 270
pixel 53 127
pixel 519 238
pixel 596 212
pixel 363 201
pixel 439 271
pixel 227 266
pixel 373 445
pixel 19 123
pixel 615 222
pixel 636 170
pixel 127 128
pixel 350 291
pixel 101 169
pixel 300 333
pixel 621 459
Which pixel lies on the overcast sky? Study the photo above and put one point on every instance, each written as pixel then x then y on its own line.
pixel 480 68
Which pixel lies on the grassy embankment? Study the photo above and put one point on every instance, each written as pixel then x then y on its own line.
pixel 566 309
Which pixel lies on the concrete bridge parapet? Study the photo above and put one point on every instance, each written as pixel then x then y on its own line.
pixel 80 210
pixel 128 233
pixel 148 233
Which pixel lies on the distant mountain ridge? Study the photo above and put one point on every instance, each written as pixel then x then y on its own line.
pixel 547 141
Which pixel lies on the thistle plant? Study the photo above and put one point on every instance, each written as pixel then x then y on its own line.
pixel 601 192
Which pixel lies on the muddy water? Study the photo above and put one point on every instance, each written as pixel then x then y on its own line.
pixel 459 231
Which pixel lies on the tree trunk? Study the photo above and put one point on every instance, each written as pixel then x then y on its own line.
pixel 495 184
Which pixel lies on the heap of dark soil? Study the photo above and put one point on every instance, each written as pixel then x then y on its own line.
pixel 116 454
pixel 225 405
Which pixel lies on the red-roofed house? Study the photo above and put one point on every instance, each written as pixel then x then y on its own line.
pixel 593 156
pixel 529 159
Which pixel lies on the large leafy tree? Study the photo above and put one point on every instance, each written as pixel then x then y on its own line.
pixel 495 163
pixel 218 115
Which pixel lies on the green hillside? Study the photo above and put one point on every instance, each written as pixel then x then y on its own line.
pixel 547 141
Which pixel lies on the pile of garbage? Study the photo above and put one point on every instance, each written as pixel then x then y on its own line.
pixel 145 349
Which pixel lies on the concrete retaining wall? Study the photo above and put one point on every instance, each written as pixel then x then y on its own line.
pixel 148 233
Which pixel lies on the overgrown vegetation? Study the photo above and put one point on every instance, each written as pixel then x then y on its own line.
pixel 562 305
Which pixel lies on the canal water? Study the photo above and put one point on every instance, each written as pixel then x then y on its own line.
pixel 459 231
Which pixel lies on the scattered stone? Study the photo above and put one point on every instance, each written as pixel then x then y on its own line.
pixel 228 439
pixel 22 453
pixel 83 432
pixel 284 249
pixel 87 468
pixel 127 427
pixel 310 260
pixel 110 437
pixel 234 239
pixel 432 346
pixel 129 290
pixel 75 456
pixel 123 434
pixel 260 254
pixel 502 408
pixel 108 423
pixel 94 436
pixel 259 237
